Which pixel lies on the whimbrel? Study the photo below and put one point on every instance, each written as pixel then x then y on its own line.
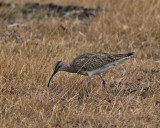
pixel 90 64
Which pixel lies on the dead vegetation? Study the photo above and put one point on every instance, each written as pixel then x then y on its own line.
pixel 29 49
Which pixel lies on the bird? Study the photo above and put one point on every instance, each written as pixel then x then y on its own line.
pixel 89 64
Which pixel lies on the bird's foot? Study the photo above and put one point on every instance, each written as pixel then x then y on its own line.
pixel 104 84
pixel 89 83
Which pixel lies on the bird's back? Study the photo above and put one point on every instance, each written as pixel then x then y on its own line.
pixel 92 61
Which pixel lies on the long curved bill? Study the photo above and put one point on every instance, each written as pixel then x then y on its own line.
pixel 52 77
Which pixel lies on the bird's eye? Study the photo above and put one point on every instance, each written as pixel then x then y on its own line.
pixel 59 66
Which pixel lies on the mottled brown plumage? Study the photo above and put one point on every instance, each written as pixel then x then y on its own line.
pixel 91 64
pixel 92 61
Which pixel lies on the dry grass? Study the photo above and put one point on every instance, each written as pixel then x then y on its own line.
pixel 28 55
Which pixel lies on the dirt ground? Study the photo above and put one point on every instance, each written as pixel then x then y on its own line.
pixel 34 37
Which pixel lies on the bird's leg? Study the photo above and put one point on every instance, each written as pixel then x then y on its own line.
pixel 103 81
pixel 90 80
pixel 88 90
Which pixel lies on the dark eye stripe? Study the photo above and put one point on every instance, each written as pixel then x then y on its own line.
pixel 57 65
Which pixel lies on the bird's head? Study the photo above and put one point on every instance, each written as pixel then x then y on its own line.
pixel 60 66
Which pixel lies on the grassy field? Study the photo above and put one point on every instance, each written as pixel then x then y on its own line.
pixel 29 53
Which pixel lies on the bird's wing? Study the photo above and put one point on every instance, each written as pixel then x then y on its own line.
pixel 92 61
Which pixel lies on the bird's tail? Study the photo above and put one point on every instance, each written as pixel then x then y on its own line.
pixel 123 57
pixel 130 55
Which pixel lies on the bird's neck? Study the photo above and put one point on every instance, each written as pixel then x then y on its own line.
pixel 68 68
